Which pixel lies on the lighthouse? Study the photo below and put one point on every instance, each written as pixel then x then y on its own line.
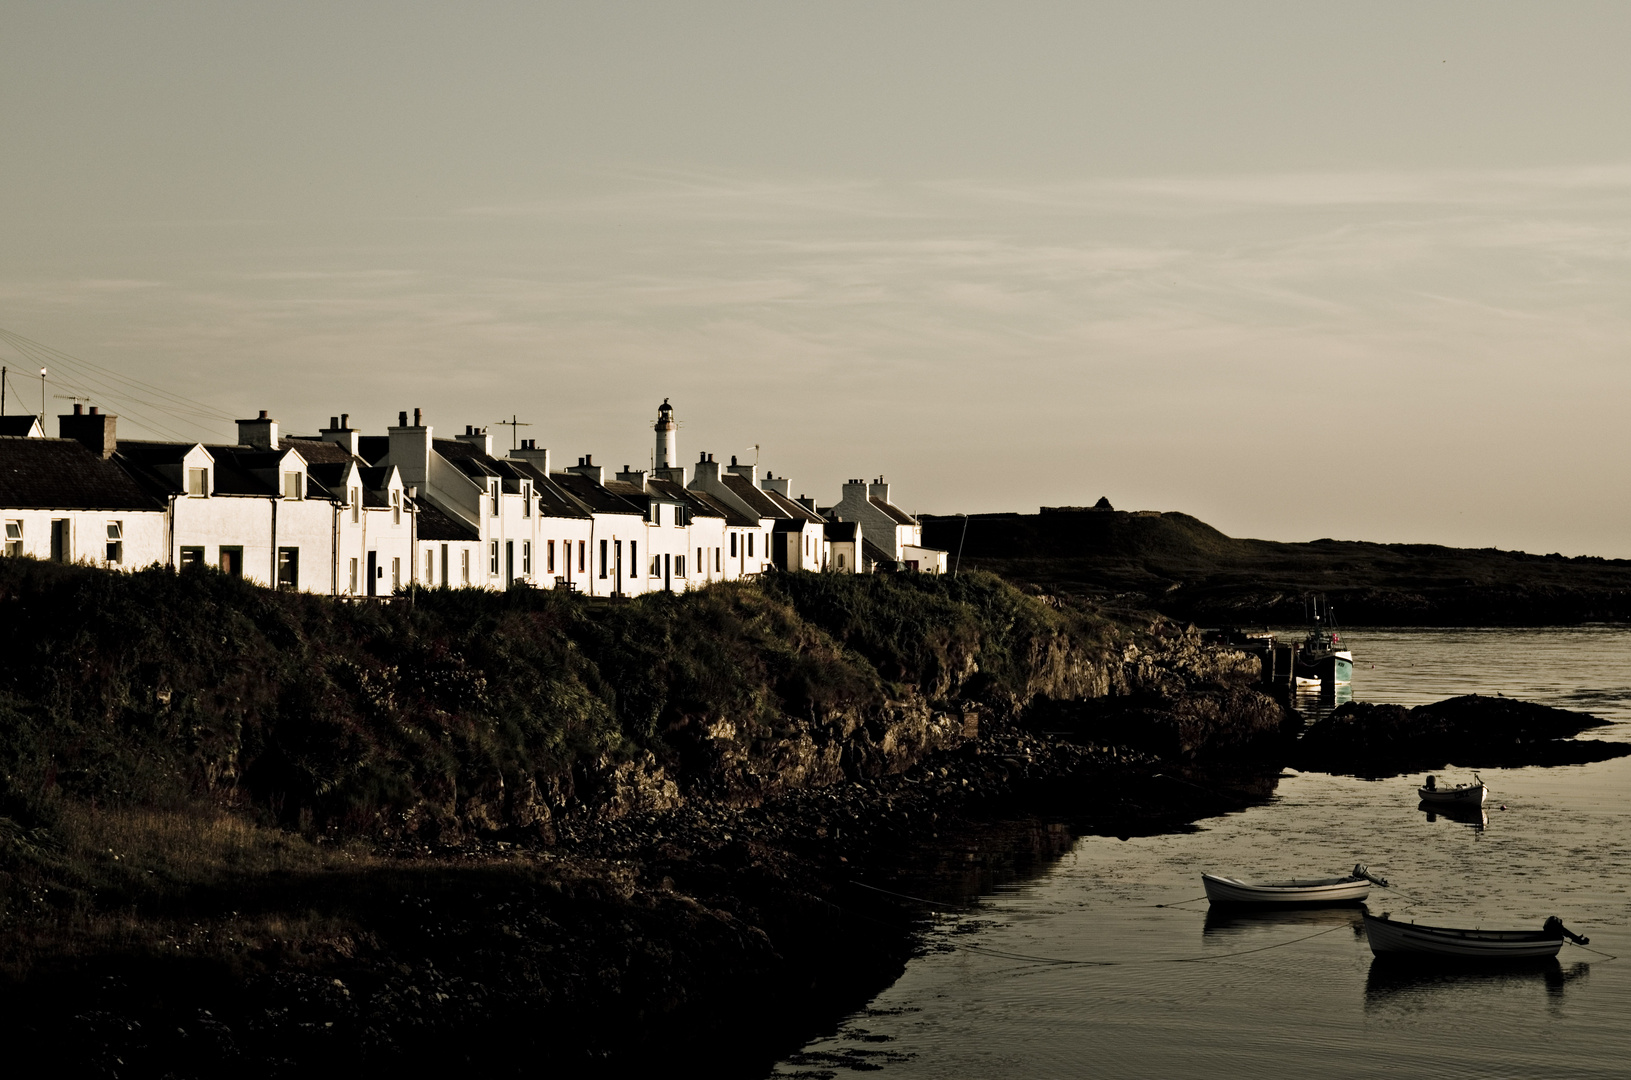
pixel 666 462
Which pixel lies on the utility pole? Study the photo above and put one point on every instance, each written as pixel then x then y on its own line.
pixel 2 391
pixel 515 425
pixel 42 397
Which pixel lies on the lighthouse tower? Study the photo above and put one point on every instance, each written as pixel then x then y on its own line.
pixel 666 464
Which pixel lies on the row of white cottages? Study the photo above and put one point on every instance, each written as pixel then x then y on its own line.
pixel 348 514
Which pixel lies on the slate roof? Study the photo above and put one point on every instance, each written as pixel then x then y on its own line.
pixel 62 474
pixel 594 497
pixel 556 501
pixel 436 527
pixel 899 516
pixel 373 448
pixel 696 504
pixel 841 532
pixel 17 426
pixel 875 554
pixel 761 502
pixel 317 451
pixel 733 517
pixel 792 507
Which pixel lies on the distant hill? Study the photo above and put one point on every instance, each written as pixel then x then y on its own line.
pixel 1183 567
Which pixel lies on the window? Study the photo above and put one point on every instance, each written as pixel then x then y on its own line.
pixel 549 556
pixel 464 565
pixel 192 558
pixel 679 566
pixel 198 481
pixel 492 557
pixel 526 500
pixel 840 560
pixel 656 566
pixel 700 564
pixel 356 505
pixel 583 556
pixel 444 565
pixel 634 559
pixel 602 557
pixel 526 557
pixel 493 494
pixel 116 541
pixel 733 545
pixel 292 488
pixel 750 545
pixel 352 589
pixel 716 561
pixel 396 508
pixel 14 538
pixel 396 574
pixel 288 568
pixel 430 568
pixel 232 561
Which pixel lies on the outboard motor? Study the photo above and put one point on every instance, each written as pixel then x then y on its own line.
pixel 1363 871
pixel 1554 925
pixel 1432 783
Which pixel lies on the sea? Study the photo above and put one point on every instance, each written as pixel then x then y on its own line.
pixel 1107 962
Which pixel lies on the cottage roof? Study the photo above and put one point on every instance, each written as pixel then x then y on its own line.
pixel 555 500
pixel 875 554
pixel 733 517
pixel 595 497
pixel 62 474
pixel 792 507
pixel 694 502
pixel 21 427
pixel 840 532
pixel 373 448
pixel 757 498
pixel 899 516
pixel 436 527
pixel 318 451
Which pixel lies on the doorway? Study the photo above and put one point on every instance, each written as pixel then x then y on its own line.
pixel 373 573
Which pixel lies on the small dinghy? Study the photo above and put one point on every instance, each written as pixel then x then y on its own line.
pixel 1341 890
pixel 1402 940
pixel 1468 795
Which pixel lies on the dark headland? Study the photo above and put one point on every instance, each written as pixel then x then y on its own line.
pixel 1181 566
pixel 269 834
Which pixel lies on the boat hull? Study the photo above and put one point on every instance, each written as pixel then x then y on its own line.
pixel 1222 890
pixel 1467 796
pixel 1404 940
pixel 1333 668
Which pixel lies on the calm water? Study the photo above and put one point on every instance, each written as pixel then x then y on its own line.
pixel 1178 992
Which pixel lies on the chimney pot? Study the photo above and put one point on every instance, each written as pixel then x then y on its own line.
pixel 402 418
pixel 588 459
pixel 345 420
pixel 417 419
pixel 79 410
pixel 95 411
pixel 262 415
pixel 733 459
pixel 334 421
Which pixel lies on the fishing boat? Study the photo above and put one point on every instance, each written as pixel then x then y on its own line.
pixel 1460 795
pixel 1338 890
pixel 1322 659
pixel 1391 938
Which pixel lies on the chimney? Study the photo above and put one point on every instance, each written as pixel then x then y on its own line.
pixel 477 437
pixel 854 491
pixel 778 484
pixel 707 474
pixel 530 452
pixel 339 432
pixel 410 450
pixel 878 489
pixel 95 431
pixel 749 471
pixel 586 467
pixel 261 432
pixel 807 502
pixel 637 477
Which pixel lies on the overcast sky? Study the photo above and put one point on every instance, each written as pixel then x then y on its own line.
pixel 1302 270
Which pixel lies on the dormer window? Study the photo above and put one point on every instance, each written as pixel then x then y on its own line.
pixel 493 493
pixel 356 505
pixel 292 487
pixel 526 500
pixel 396 507
pixel 198 482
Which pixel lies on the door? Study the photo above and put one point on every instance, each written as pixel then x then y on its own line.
pixel 61 540
pixel 373 573
pixel 668 573
pixel 509 563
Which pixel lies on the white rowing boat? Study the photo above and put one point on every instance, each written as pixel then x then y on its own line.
pixel 1398 939
pixel 1467 795
pixel 1339 890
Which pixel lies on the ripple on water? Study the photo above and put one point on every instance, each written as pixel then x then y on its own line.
pixel 1562 846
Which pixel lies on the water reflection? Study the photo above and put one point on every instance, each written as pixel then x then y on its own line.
pixel 1317 702
pixel 1227 921
pixel 1412 987
pixel 1475 817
